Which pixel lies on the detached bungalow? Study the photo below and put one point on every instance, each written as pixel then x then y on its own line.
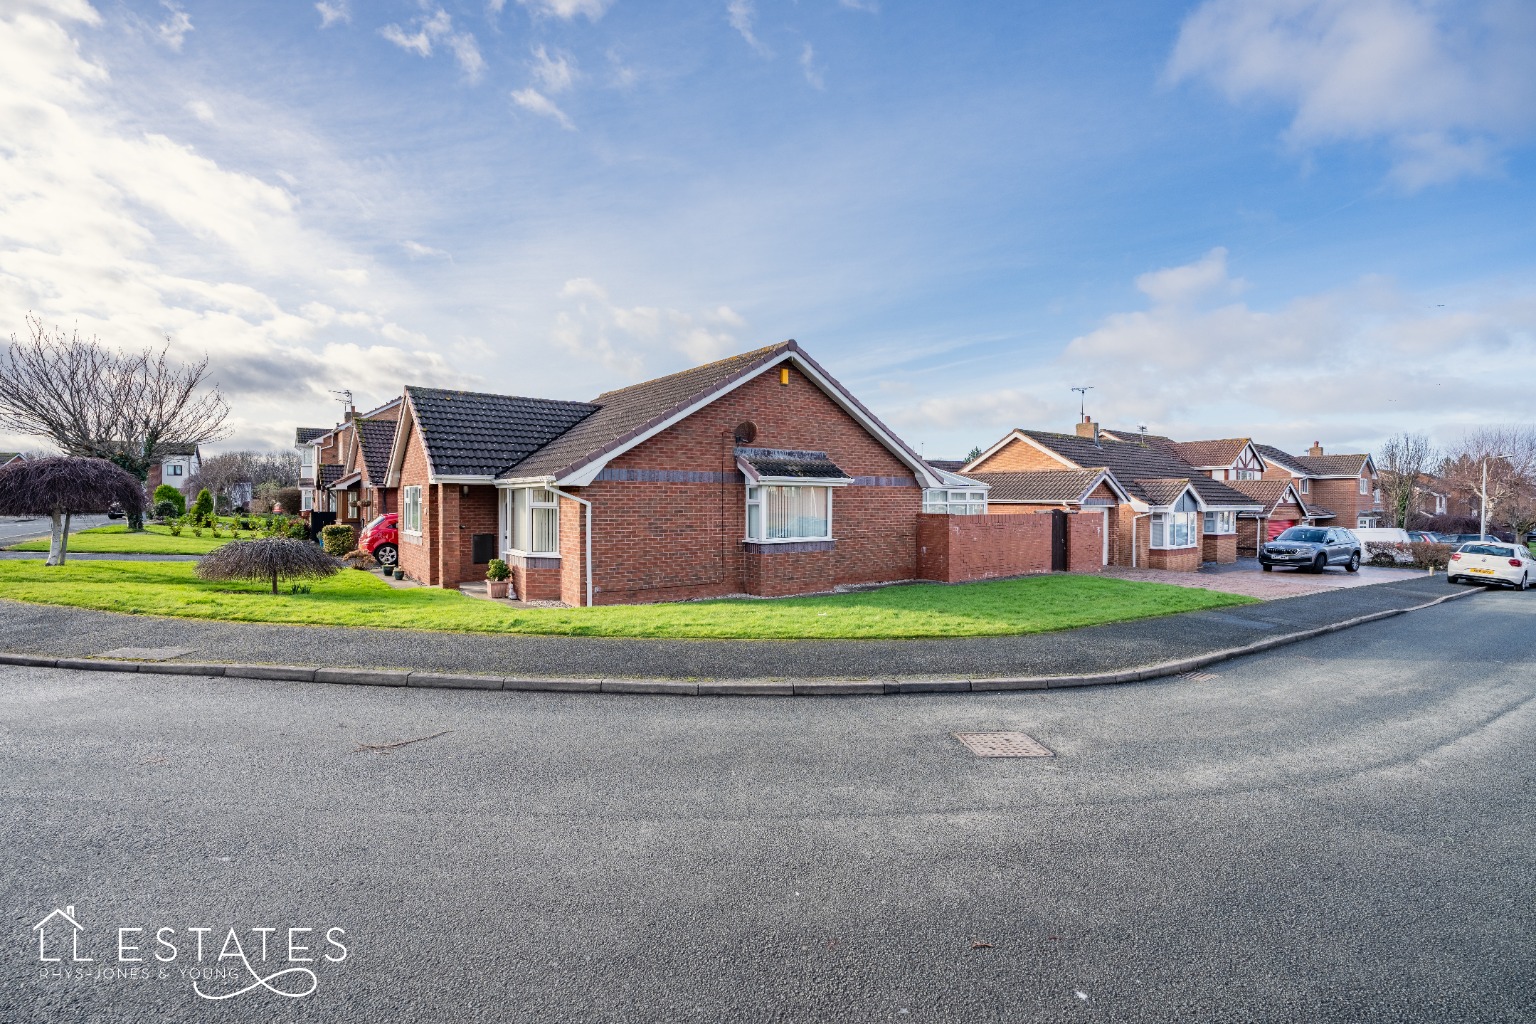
pixel 756 474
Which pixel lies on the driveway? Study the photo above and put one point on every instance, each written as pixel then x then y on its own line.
pixel 1245 577
pixel 1336 832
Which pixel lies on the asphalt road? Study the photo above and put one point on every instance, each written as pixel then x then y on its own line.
pixel 15 530
pixel 1337 831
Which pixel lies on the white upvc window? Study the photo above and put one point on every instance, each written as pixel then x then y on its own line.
pixel 530 521
pixel 1245 474
pixel 788 512
pixel 307 458
pixel 307 500
pixel 1365 485
pixel 1364 523
pixel 1306 486
pixel 410 510
pixel 1221 522
pixel 173 469
pixel 946 501
pixel 1174 529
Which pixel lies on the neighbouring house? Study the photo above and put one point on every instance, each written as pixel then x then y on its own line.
pixel 363 445
pixel 1346 485
pixel 6 458
pixel 179 464
pixel 1159 511
pixel 1280 508
pixel 757 474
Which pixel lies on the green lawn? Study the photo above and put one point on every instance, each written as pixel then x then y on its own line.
pixel 116 540
pixel 357 598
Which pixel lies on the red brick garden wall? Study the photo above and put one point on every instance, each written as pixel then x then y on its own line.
pixel 955 549
pixel 1085 542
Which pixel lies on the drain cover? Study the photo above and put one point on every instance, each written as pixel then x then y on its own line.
pixel 1003 744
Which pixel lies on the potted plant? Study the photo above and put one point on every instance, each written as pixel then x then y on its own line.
pixel 496 576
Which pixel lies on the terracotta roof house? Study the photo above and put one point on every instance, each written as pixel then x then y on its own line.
pixel 1159 510
pixel 335 481
pixel 756 474
pixel 6 458
pixel 1347 484
pixel 1281 507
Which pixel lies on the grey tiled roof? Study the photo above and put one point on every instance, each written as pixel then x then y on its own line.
pixel 1045 485
pixel 306 434
pixel 798 464
pixel 472 434
pixel 624 414
pixel 377 438
pixel 1132 463
pixel 330 472
pixel 948 465
pixel 1281 458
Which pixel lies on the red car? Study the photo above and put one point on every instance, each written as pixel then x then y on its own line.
pixel 381 539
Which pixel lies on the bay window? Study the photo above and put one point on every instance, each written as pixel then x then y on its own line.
pixel 1221 522
pixel 788 512
pixel 1173 529
pixel 410 510
pixel 530 521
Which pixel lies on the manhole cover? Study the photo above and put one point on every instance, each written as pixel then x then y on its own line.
pixel 1003 744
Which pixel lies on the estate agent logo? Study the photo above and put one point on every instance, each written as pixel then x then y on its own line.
pixel 217 963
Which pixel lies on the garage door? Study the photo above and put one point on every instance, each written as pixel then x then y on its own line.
pixel 1279 526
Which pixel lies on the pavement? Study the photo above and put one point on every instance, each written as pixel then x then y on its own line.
pixel 73 633
pixel 89 556
pixel 1245 577
pixel 1338 831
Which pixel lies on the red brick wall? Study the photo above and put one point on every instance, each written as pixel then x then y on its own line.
pixel 770 573
pixel 1016 456
pixel 1177 559
pixel 1085 542
pixel 955 549
pixel 664 541
pixel 1219 547
pixel 1344 498
pixel 460 517
pixel 416 556
pixel 573 567
pixel 539 581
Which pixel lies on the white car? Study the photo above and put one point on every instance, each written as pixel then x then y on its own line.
pixel 1488 561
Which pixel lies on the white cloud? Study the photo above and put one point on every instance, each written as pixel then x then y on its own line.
pixel 637 341
pixel 173 30
pixel 813 74
pixel 742 14
pixel 417 251
pixel 1173 285
pixel 536 102
pixel 133 236
pixel 1447 86
pixel 202 110
pixel 565 9
pixel 333 11
pixel 867 6
pixel 555 74
pixel 436 26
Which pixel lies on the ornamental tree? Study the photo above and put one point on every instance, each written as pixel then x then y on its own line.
pixel 268 559
pixel 61 487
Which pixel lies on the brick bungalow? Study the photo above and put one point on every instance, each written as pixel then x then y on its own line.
pixel 1093 490
pixel 1171 516
pixel 756 474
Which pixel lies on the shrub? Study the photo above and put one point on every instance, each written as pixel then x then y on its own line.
pixel 338 539
pixel 165 493
pixel 290 499
pixel 202 507
pixel 497 570
pixel 1387 553
pixel 176 527
pixel 166 510
pixel 270 559
pixel 1429 555
pixel 197 531
pixel 296 529
pixel 358 559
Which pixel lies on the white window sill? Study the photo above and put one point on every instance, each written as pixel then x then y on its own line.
pixel 529 554
pixel 1182 547
pixel 788 540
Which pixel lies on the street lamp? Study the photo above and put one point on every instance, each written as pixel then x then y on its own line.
pixel 1482 530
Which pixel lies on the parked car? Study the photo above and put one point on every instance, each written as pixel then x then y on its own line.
pixel 381 538
pixel 1490 562
pixel 1385 540
pixel 1312 547
pixel 1429 537
pixel 115 511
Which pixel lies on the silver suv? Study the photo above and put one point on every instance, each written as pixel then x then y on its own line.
pixel 1312 547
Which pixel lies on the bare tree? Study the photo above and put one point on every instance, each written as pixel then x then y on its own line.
pixel 1403 462
pixel 1494 464
pixel 128 408
pixel 221 474
pixel 60 487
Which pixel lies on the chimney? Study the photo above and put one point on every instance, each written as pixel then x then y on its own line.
pixel 1088 428
pixel 1316 450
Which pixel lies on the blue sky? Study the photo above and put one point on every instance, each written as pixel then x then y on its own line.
pixel 1293 219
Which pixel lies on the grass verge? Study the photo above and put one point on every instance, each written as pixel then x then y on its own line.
pixel 356 598
pixel 116 540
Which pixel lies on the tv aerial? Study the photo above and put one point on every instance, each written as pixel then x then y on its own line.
pixel 1082 399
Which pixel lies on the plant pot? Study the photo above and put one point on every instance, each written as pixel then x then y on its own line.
pixel 497 588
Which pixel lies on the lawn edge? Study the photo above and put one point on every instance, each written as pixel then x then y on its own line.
pixel 806 687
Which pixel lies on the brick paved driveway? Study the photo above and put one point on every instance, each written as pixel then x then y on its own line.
pixel 1245 577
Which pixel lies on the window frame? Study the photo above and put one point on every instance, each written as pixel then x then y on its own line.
pixel 1227 518
pixel 755 498
pixel 1157 530
pixel 306 499
pixel 508 532
pixel 1365 485
pixel 1306 486
pixel 411 509
pixel 954 501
